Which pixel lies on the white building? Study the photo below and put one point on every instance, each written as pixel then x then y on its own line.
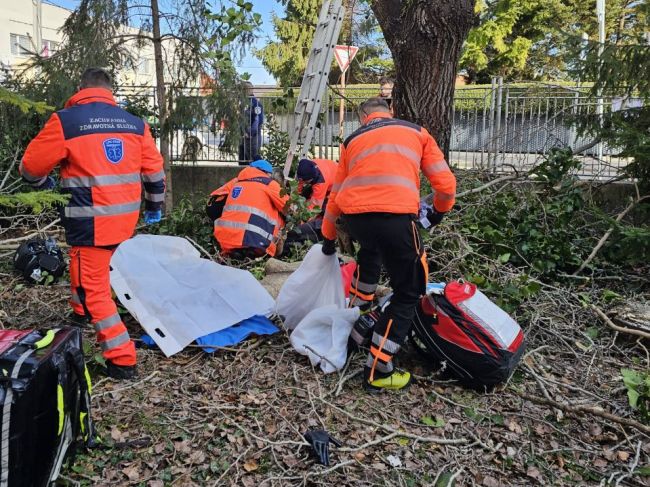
pixel 25 28
pixel 28 26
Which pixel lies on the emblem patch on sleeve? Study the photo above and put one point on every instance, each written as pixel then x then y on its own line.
pixel 236 191
pixel 113 150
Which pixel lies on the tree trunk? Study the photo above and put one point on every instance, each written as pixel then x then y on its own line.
pixel 162 103
pixel 425 38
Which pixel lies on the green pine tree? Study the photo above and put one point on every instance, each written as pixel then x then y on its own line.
pixel 286 58
pixel 621 71
pixel 527 39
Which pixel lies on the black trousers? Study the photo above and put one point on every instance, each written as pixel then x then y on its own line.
pixel 306 232
pixel 394 241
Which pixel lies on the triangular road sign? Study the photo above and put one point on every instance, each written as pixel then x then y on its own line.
pixel 344 56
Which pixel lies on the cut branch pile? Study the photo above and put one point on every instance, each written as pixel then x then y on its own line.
pixel 238 417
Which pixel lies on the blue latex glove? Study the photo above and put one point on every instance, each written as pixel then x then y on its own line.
pixel 151 217
pixel 49 183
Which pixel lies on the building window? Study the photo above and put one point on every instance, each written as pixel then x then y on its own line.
pixel 20 45
pixel 144 67
pixel 48 48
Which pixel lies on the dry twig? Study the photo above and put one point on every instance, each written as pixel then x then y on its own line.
pixel 620 329
pixel 578 409
pixel 604 238
pixel 31 235
pixel 405 434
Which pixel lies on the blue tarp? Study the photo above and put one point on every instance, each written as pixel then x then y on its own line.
pixel 257 325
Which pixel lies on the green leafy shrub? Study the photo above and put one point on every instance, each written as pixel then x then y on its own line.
pixel 537 226
pixel 186 220
pixel 276 150
pixel 629 245
pixel 297 208
pixel 638 391
pixel 511 238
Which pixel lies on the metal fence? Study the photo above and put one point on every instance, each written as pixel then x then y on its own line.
pixel 498 128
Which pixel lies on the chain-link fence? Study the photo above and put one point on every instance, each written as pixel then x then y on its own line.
pixel 499 127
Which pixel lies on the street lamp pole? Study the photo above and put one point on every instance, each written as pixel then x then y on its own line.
pixel 600 14
pixel 38 24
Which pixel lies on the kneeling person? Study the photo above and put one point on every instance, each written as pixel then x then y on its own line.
pixel 248 212
pixel 315 181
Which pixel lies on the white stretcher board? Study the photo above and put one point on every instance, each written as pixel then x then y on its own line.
pixel 177 296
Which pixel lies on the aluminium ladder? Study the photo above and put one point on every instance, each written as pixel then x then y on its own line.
pixel 314 80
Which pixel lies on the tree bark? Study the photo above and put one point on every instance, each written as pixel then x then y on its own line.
pixel 425 38
pixel 161 94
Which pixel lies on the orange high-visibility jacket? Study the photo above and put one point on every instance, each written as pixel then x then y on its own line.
pixel 252 215
pixel 105 154
pixel 379 171
pixel 323 186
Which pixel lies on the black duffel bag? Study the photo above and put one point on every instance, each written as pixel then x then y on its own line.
pixel 45 397
pixel 38 258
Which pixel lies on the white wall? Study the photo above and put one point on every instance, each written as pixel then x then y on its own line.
pixel 18 17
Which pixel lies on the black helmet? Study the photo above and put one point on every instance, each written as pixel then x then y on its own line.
pixel 36 256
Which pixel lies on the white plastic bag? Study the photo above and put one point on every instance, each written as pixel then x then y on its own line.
pixel 324 333
pixel 316 283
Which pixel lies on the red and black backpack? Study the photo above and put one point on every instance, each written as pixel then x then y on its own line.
pixel 478 342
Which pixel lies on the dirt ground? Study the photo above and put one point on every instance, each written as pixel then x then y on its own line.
pixel 237 417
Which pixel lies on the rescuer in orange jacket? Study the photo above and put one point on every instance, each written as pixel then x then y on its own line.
pixel 104 154
pixel 248 212
pixel 315 180
pixel 377 195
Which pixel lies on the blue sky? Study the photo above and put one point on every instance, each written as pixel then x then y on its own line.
pixel 249 64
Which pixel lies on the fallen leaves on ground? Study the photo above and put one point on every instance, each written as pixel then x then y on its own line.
pixel 237 417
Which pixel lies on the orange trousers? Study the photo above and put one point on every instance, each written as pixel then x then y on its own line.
pixel 91 296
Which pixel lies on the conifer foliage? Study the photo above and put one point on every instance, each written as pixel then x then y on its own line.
pixel 286 58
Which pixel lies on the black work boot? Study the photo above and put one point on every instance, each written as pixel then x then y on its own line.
pixel 121 372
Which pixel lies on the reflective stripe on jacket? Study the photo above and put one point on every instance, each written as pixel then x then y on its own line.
pixel 105 154
pixel 252 215
pixel 379 171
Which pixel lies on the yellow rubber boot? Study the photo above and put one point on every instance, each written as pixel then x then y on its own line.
pixel 394 382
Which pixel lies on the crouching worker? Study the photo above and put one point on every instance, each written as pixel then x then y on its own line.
pixel 315 180
pixel 104 153
pixel 377 195
pixel 248 212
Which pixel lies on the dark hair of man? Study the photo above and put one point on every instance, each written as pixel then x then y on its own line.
pixel 372 105
pixel 386 80
pixel 96 78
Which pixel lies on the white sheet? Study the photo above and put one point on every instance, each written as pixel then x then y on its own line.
pixel 178 297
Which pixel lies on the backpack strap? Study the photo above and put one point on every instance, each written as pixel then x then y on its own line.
pixel 75 359
pixel 88 432
pixel 6 418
